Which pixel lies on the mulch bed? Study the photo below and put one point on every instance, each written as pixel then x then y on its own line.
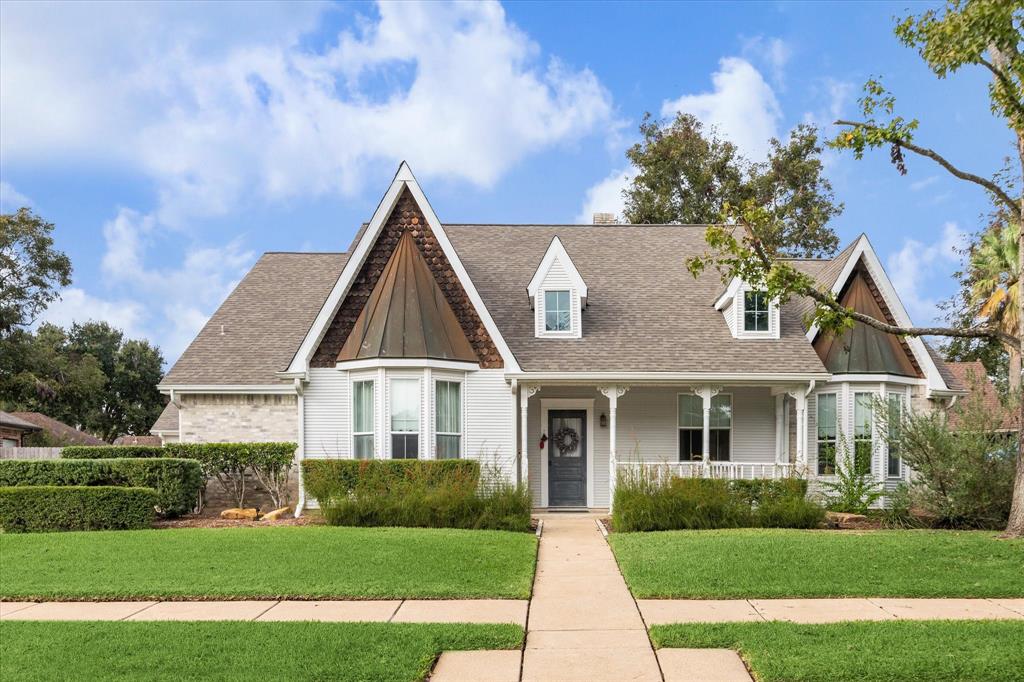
pixel 208 522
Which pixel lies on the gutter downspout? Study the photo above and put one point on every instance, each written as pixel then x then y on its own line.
pixel 300 455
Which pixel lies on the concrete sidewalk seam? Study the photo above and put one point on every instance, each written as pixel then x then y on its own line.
pixel 135 613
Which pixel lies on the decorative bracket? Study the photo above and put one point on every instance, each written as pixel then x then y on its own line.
pixel 608 391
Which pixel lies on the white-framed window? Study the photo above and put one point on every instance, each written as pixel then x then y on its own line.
pixel 362 419
pixel 828 433
pixel 691 427
pixel 405 417
pixel 448 418
pixel 756 312
pixel 10 443
pixel 863 428
pixel 558 311
pixel 894 422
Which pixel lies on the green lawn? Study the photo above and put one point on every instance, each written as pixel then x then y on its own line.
pixel 311 562
pixel 236 650
pixel 794 563
pixel 899 651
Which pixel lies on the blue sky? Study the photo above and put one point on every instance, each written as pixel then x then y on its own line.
pixel 171 144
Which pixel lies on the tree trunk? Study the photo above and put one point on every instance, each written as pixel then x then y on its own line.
pixel 1014 378
pixel 1015 524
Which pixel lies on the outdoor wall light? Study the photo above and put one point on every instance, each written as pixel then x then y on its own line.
pixel 604 420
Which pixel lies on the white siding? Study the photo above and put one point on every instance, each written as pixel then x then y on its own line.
pixel 326 407
pixel 490 433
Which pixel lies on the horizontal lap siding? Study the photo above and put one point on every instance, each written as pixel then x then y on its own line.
pixel 326 407
pixel 490 434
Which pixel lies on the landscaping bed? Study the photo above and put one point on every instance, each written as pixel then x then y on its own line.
pixel 778 563
pixel 312 562
pixel 237 650
pixel 898 651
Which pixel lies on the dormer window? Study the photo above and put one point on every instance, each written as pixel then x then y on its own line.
pixel 756 311
pixel 557 311
pixel 748 311
pixel 558 295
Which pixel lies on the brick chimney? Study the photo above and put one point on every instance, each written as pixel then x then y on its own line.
pixel 605 219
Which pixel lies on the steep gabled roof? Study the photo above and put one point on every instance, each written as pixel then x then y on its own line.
pixel 167 421
pixel 407 315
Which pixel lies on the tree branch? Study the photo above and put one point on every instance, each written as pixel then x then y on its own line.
pixel 998 191
pixel 1005 81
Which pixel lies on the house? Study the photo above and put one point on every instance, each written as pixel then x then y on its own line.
pixel 13 430
pixel 981 392
pixel 55 432
pixel 561 353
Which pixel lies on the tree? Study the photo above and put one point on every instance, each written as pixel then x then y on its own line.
pixel 993 277
pixel 31 270
pixel 687 175
pixel 984 33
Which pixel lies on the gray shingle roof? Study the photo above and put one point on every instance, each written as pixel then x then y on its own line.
pixel 168 419
pixel 645 312
pixel 947 373
pixel 8 419
pixel 257 330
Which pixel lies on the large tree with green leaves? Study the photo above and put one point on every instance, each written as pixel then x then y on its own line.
pixel 686 174
pixel 32 271
pixel 984 33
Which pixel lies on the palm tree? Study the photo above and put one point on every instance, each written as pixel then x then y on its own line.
pixel 995 273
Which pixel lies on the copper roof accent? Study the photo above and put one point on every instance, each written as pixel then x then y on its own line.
pixel 863 349
pixel 407 315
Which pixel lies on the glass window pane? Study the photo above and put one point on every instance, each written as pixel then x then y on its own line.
pixel 691 411
pixel 449 407
pixel 862 409
pixel 826 459
pixel 557 311
pixel 362 407
pixel 719 450
pixel 405 446
pixel 690 444
pixel 448 446
pixel 826 416
pixel 405 405
pixel 363 447
pixel 721 412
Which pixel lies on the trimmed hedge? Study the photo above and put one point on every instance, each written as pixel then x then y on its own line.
pixel 227 463
pixel 643 502
pixel 112 451
pixel 176 482
pixel 33 509
pixel 327 478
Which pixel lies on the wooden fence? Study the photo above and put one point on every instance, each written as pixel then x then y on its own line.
pixel 30 453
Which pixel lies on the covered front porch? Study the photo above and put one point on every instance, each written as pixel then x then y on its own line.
pixel 576 435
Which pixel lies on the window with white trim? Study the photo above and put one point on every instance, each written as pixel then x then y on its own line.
pixel 828 432
pixel 448 419
pixel 691 427
pixel 863 446
pixel 756 311
pixel 405 418
pixel 894 424
pixel 558 310
pixel 362 419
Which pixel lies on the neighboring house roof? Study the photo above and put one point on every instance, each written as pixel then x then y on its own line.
pixel 255 332
pixel 974 377
pixel 18 424
pixel 137 440
pixel 407 315
pixel 953 379
pixel 59 430
pixel 167 421
pixel 645 311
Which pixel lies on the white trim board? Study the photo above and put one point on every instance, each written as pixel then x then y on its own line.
pixel 556 251
pixel 547 404
pixel 403 179
pixel 276 389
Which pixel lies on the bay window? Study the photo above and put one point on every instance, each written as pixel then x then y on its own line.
pixel 448 419
pixel 863 447
pixel 405 418
pixel 894 423
pixel 828 431
pixel 362 420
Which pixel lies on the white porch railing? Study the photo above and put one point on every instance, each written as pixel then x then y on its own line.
pixel 725 470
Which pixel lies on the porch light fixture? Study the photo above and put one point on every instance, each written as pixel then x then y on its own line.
pixel 603 420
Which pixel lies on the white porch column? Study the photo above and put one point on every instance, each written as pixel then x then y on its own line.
pixel 525 393
pixel 780 428
pixel 800 394
pixel 613 393
pixel 706 393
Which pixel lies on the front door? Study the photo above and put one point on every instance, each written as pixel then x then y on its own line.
pixel 567 458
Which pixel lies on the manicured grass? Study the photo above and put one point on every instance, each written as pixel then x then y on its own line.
pixel 794 563
pixel 302 562
pixel 236 650
pixel 903 651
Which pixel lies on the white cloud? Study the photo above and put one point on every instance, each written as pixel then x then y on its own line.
pixel 773 52
pixel 221 106
pixel 606 196
pixel 10 198
pixel 75 305
pixel 742 107
pixel 922 184
pixel 917 265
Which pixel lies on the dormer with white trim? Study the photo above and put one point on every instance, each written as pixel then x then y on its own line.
pixel 748 311
pixel 558 295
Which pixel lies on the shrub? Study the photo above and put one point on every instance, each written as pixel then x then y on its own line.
pixel 112 451
pixel 789 512
pixel 177 482
pixel 427 493
pixel 29 509
pixel 851 492
pixel 645 500
pixel 227 463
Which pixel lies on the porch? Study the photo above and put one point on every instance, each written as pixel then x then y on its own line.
pixel 576 436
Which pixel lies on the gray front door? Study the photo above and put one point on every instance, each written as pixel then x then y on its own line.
pixel 567 458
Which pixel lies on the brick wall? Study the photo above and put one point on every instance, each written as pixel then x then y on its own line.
pixel 238 418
